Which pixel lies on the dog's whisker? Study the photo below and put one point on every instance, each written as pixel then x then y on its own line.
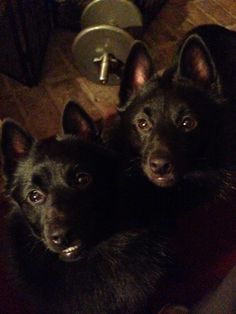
pixel 33 246
pixel 133 163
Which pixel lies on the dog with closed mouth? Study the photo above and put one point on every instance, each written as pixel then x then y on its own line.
pixel 177 131
pixel 69 248
pixel 180 127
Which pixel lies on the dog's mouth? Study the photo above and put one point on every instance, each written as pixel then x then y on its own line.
pixel 163 182
pixel 71 253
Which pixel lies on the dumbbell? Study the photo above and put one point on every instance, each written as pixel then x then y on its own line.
pixel 109 29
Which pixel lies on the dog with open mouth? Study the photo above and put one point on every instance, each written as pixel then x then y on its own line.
pixel 179 128
pixel 71 248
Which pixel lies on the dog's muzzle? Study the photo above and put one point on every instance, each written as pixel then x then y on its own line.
pixel 160 171
pixel 58 241
pixel 71 253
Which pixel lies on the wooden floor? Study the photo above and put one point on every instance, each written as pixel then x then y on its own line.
pixel 39 108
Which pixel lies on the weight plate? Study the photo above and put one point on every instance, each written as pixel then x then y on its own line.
pixel 120 13
pixel 93 42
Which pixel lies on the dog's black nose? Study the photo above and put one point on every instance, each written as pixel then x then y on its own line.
pixel 160 166
pixel 58 237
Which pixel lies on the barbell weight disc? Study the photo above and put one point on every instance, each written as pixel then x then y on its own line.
pixel 94 42
pixel 121 13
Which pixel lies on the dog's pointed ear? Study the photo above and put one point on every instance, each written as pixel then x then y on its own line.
pixel 16 144
pixel 137 71
pixel 195 61
pixel 76 121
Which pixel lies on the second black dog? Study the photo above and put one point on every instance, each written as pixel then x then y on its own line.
pixel 180 127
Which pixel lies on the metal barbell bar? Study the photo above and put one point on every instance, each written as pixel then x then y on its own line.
pixel 109 29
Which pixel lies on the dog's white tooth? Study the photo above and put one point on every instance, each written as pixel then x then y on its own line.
pixel 70 249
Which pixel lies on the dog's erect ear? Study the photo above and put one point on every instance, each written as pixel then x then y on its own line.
pixel 76 121
pixel 195 61
pixel 137 72
pixel 16 142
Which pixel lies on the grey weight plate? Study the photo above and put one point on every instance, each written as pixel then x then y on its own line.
pixel 93 42
pixel 120 13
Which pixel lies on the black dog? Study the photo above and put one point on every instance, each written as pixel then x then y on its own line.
pixel 70 248
pixel 180 127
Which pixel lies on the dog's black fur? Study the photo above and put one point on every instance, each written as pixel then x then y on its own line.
pixel 70 247
pixel 179 128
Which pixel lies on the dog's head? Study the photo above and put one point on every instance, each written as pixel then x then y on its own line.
pixel 171 122
pixel 63 187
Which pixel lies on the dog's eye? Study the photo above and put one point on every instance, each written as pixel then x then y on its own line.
pixel 188 123
pixel 83 179
pixel 143 124
pixel 36 197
